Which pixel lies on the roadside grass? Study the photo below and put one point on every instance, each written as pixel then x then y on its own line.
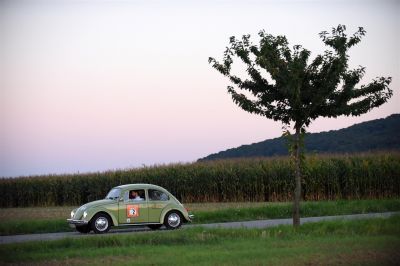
pixel 215 206
pixel 42 220
pixel 34 226
pixel 35 213
pixel 373 241
pixel 307 209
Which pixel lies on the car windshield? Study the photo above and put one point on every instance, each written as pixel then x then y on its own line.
pixel 113 194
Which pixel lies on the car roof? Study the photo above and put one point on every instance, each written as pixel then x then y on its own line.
pixel 140 186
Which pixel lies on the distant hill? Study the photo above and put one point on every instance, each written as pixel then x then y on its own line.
pixel 379 134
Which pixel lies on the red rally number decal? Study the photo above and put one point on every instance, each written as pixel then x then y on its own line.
pixel 132 210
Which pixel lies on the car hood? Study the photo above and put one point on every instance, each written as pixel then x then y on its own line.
pixel 96 203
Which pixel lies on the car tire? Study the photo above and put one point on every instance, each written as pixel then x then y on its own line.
pixel 173 220
pixel 84 229
pixel 154 226
pixel 101 223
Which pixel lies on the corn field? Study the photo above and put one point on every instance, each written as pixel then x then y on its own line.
pixel 325 177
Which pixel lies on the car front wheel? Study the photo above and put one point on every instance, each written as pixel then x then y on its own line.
pixel 101 223
pixel 173 220
pixel 84 229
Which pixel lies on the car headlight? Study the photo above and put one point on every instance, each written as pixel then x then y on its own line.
pixel 72 214
pixel 84 214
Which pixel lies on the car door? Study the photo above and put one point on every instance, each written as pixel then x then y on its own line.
pixel 158 200
pixel 132 210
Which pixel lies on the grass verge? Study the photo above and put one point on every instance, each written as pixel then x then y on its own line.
pixel 34 227
pixel 307 209
pixel 42 221
pixel 372 241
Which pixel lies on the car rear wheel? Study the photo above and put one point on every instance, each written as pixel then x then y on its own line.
pixel 173 220
pixel 84 229
pixel 154 226
pixel 101 223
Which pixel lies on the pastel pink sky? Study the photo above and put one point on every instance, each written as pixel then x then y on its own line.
pixel 99 85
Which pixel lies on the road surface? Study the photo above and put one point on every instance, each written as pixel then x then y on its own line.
pixel 244 224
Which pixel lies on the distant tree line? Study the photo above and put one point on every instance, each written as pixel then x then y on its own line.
pixel 375 135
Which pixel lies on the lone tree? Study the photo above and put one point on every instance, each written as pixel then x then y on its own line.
pixel 295 92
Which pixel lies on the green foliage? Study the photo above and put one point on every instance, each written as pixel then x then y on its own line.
pixel 260 179
pixel 295 90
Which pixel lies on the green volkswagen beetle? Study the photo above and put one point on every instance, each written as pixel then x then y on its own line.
pixel 133 204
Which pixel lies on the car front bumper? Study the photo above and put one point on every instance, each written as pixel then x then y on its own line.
pixel 77 222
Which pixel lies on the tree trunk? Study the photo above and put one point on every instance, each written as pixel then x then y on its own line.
pixel 297 173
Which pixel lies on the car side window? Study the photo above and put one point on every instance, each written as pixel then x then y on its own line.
pixel 157 195
pixel 134 195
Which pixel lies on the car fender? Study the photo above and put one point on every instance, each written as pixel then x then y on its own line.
pixel 171 207
pixel 92 212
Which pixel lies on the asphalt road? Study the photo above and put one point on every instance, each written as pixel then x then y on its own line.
pixel 244 224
